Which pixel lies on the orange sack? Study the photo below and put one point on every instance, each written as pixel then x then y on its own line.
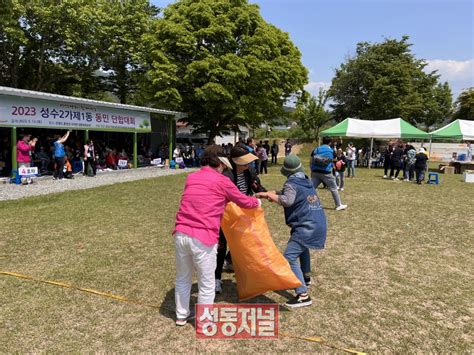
pixel 258 264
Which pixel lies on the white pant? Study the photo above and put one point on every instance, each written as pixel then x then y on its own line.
pixel 192 254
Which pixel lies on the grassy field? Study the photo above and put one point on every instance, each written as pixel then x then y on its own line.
pixel 396 274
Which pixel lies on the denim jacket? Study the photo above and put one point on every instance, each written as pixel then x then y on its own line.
pixel 305 215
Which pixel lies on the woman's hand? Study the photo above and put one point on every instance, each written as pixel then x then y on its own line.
pixel 269 195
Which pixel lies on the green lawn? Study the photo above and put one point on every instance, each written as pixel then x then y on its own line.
pixel 396 274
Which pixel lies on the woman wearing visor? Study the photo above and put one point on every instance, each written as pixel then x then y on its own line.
pixel 244 176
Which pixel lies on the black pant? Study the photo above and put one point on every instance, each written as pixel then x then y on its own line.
pixel 386 166
pixel 90 162
pixel 397 168
pixel 222 255
pixel 263 166
pixel 274 158
pixel 58 172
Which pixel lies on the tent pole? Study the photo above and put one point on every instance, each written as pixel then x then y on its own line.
pixel 170 138
pixel 430 148
pixel 370 153
pixel 135 150
pixel 13 145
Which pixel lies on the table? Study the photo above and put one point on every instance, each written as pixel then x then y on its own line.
pixel 461 166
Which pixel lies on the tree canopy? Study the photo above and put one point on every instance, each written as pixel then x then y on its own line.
pixel 312 115
pixel 222 64
pixel 75 47
pixel 385 80
pixel 464 105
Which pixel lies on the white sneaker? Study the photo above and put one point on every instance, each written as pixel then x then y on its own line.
pixel 385 176
pixel 218 286
pixel 341 207
pixel 342 189
pixel 396 179
pixel 406 180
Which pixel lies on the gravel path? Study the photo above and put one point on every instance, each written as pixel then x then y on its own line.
pixel 46 185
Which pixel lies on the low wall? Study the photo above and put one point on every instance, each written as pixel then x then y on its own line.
pixel 443 151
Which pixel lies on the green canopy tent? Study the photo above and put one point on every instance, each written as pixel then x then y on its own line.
pixel 459 130
pixel 392 128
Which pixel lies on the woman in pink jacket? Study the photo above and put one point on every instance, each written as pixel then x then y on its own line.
pixel 24 147
pixel 196 233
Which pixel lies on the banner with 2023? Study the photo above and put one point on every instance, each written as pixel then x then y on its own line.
pixel 30 112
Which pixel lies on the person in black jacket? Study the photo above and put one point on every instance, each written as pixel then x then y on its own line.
pixel 396 162
pixel 244 176
pixel 420 165
pixel 387 162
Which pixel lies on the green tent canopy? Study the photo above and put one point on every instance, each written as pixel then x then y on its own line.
pixel 459 129
pixel 392 128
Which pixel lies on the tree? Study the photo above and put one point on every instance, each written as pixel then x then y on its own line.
pixel 123 27
pixel 312 115
pixel 222 64
pixel 464 105
pixel 48 45
pixel 385 80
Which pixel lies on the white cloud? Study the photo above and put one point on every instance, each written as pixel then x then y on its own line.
pixel 313 86
pixel 452 70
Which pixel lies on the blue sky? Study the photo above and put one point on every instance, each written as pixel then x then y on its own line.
pixel 327 31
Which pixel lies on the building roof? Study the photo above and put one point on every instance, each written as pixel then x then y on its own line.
pixel 79 100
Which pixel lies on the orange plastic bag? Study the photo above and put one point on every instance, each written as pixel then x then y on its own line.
pixel 259 266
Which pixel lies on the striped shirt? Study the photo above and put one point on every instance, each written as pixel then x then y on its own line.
pixel 241 183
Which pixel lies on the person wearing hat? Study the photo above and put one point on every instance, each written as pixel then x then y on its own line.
pixel 305 216
pixel 196 233
pixel 420 165
pixel 243 175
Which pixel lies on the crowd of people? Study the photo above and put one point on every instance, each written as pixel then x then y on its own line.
pixel 399 160
pixel 62 157
pixel 402 157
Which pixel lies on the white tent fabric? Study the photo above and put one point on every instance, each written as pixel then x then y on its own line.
pixel 467 129
pixel 374 129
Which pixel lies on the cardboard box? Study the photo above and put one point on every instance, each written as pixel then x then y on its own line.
pixel 469 176
pixel 448 170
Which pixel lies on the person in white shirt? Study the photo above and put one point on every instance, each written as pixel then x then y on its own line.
pixel 351 158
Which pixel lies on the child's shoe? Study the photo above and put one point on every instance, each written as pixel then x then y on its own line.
pixel 300 300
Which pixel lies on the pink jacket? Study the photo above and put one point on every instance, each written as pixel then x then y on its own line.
pixel 23 152
pixel 205 196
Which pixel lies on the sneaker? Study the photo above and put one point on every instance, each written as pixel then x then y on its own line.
pixel 342 189
pixel 406 180
pixel 307 280
pixel 299 301
pixel 395 179
pixel 341 207
pixel 218 286
pixel 182 322
pixel 385 176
